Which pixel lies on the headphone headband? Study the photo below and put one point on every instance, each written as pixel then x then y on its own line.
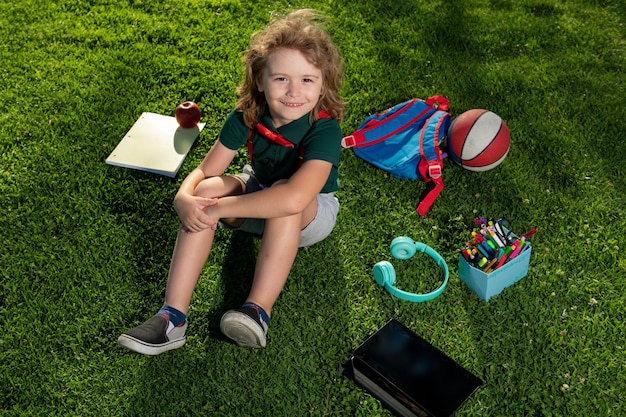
pixel 404 248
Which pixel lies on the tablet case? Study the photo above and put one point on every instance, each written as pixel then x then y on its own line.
pixel 408 375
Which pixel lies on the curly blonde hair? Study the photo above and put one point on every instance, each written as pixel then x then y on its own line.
pixel 298 30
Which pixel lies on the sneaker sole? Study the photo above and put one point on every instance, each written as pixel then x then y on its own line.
pixel 243 330
pixel 139 346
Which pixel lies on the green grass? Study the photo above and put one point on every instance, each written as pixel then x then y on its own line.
pixel 86 246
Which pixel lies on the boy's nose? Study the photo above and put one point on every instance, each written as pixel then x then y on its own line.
pixel 294 89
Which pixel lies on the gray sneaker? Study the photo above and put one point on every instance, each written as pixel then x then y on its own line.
pixel 157 335
pixel 245 327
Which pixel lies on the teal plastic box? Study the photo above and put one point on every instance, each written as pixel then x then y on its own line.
pixel 488 285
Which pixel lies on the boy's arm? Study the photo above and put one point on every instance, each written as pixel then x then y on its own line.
pixel 190 208
pixel 280 200
pixel 214 163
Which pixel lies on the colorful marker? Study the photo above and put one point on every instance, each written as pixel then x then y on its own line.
pixel 518 248
pixel 489 266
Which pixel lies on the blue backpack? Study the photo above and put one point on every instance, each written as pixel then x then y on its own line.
pixel 404 141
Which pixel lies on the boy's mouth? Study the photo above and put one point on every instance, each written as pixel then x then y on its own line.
pixel 292 105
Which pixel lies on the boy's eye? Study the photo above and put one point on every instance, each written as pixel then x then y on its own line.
pixel 285 79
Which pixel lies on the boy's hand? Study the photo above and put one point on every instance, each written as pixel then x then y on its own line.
pixel 191 212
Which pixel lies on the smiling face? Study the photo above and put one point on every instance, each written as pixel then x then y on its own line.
pixel 291 84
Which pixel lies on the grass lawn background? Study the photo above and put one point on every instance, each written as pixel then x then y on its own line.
pixel 86 246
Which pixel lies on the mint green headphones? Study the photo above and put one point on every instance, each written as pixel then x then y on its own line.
pixel 404 248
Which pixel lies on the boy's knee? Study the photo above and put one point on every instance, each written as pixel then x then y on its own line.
pixel 205 188
pixel 213 187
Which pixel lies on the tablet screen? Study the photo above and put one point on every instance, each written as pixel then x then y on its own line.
pixel 401 361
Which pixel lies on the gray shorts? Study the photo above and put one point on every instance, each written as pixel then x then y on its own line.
pixel 316 231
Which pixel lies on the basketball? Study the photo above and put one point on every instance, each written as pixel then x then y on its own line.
pixel 478 140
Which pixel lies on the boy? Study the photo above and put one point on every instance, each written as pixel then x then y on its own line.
pixel 288 115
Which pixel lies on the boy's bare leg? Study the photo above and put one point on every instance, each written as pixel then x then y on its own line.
pixel 192 249
pixel 276 256
pixel 277 253
pixel 188 258
pixel 248 326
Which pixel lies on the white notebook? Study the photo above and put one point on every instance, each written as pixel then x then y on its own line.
pixel 156 144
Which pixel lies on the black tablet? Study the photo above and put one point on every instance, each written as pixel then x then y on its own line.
pixel 409 375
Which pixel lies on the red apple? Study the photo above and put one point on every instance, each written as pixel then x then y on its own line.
pixel 188 114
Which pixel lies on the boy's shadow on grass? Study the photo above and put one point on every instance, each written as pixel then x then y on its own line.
pixel 238 267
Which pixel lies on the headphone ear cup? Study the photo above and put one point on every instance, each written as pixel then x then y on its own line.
pixel 384 273
pixel 402 247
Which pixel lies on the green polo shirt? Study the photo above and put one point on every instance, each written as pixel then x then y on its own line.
pixel 272 162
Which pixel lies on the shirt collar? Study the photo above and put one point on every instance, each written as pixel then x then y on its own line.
pixel 293 131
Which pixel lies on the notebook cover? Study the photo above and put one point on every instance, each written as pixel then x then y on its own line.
pixel 156 144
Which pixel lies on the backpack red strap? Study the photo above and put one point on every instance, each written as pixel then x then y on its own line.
pixel 250 144
pixel 278 138
pixel 323 114
pixel 440 102
pixel 377 127
pixel 431 171
pixel 430 198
